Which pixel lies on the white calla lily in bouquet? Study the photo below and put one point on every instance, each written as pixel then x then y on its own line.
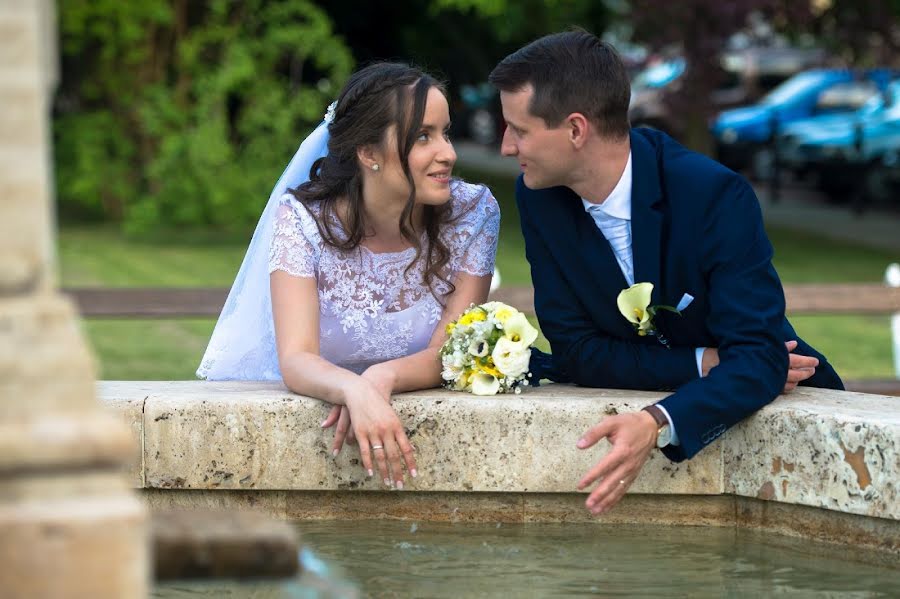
pixel 487 350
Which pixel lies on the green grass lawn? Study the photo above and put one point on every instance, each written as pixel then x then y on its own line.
pixel 859 347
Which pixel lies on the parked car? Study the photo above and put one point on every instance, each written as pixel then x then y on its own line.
pixel 851 153
pixel 883 181
pixel 743 135
pixel 831 109
pixel 747 74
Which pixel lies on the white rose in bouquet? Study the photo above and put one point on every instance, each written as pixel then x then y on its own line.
pixel 511 357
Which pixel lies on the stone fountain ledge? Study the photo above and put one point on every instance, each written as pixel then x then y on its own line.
pixel 838 452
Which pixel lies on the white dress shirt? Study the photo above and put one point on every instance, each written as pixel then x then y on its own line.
pixel 613 217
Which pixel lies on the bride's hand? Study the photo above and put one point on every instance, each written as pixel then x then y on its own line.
pixel 383 379
pixel 379 433
pixel 340 416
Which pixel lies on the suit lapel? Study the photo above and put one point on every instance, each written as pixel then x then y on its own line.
pixel 646 217
pixel 596 252
pixel 574 239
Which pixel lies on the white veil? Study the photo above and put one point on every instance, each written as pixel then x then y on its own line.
pixel 242 346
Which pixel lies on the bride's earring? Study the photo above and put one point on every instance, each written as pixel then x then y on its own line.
pixel 375 167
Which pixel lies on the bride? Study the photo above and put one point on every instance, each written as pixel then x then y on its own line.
pixel 365 251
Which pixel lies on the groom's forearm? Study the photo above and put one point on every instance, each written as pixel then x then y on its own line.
pixel 749 378
pixel 596 360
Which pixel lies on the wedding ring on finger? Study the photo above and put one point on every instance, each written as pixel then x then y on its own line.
pixel 374 447
pixel 621 482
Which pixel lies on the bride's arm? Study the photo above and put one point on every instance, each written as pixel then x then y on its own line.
pixel 295 309
pixel 422 370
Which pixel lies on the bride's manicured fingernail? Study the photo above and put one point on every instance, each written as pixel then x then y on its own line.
pixel 335 452
pixel 413 473
pixel 399 485
pixel 387 482
pixel 371 474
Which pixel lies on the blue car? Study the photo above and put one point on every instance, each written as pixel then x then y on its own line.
pixel 747 72
pixel 743 136
pixel 850 153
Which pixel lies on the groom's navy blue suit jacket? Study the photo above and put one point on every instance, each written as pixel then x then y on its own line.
pixel 697 229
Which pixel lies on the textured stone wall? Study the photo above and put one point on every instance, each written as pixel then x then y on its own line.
pixel 834 456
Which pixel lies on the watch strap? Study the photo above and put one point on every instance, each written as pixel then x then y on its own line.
pixel 658 415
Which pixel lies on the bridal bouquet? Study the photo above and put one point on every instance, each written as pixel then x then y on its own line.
pixel 488 350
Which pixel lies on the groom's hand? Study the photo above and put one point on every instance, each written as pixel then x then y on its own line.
pixel 632 437
pixel 800 367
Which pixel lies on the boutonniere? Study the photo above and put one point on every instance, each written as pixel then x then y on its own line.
pixel 634 304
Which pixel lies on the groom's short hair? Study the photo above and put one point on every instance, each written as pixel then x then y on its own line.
pixel 572 71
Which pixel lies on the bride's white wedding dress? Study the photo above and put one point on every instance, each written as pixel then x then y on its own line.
pixel 371 309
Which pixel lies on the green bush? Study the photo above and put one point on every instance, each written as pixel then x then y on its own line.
pixel 183 113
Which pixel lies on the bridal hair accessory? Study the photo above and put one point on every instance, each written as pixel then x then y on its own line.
pixel 329 114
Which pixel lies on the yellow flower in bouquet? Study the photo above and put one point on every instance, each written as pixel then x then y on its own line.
pixel 473 316
pixel 487 350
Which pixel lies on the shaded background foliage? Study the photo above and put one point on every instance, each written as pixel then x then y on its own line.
pixel 183 112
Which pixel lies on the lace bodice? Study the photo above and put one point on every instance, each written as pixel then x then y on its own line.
pixel 370 310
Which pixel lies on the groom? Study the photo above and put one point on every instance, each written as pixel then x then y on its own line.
pixel 603 207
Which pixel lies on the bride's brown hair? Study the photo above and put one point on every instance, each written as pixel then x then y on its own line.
pixel 376 97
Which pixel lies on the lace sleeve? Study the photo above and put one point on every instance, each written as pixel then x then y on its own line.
pixel 295 248
pixel 479 229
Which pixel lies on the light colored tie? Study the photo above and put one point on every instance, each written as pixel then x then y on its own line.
pixel 618 232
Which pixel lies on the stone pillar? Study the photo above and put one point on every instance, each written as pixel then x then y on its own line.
pixel 69 527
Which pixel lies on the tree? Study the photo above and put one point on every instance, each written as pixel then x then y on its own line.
pixel 180 112
pixel 461 40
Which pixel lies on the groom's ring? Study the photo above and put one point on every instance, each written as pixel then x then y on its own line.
pixel 378 447
pixel 621 482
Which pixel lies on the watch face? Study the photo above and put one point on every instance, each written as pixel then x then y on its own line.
pixel 664 437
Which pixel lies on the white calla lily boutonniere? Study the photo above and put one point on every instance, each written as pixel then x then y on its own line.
pixel 634 304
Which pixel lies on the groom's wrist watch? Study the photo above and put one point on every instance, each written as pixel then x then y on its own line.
pixel 663 430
